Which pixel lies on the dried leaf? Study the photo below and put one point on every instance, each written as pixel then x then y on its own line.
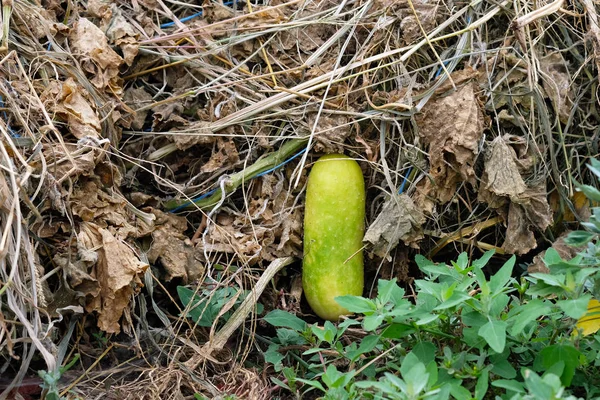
pixel 136 98
pixel 399 219
pixel 90 46
pixel 527 211
pixel 590 322
pixel 124 35
pixel 331 132
pixel 501 172
pixel 173 249
pixel 69 101
pixel 557 84
pixel 118 272
pixel 452 127
pixel 225 157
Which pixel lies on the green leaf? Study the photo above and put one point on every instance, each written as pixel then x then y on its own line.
pixel 579 238
pixel 499 280
pixel 409 361
pixel 356 304
pixel 367 344
pixel 482 385
pixel 494 333
pixel 425 352
pixel 590 192
pixel 575 308
pixel 594 167
pixel 459 392
pixel 455 299
pixel 512 385
pixel 483 261
pixel 372 322
pixel 389 291
pixel 549 279
pixel 502 367
pixel 528 313
pixel 397 331
pixel 280 318
pixel 462 261
pixel 551 355
pixel 273 356
pixel 416 379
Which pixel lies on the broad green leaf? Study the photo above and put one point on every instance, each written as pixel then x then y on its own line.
pixel 409 361
pixel 512 385
pixel 425 352
pixel 455 299
pixel 482 385
pixel 389 291
pixel 494 333
pixel 590 192
pixel 499 280
pixel 575 308
pixel 551 355
pixel 527 313
pixel 284 319
pixel 549 279
pixel 483 261
pixel 416 379
pixel 356 304
pixel 504 369
pixel 397 331
pixel 372 322
pixel 579 238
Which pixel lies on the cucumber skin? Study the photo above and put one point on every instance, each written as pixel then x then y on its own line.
pixel 333 231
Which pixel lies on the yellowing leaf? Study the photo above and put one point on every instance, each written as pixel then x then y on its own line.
pixel 590 322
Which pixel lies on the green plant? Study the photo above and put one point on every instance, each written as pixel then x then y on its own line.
pixel 465 336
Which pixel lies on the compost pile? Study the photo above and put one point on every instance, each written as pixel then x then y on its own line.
pixel 154 150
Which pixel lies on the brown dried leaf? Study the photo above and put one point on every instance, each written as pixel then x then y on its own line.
pixel 124 35
pixel 90 46
pixel 331 132
pixel 452 127
pixel 137 98
pixel 501 172
pixel 225 157
pixel 173 249
pixel 202 135
pixel 69 101
pixel 399 219
pixel 557 84
pixel 118 272
pixel 527 211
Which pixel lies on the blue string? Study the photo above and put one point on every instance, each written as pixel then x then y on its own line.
pixel 185 19
pixel 405 180
pixel 184 205
pixel 10 130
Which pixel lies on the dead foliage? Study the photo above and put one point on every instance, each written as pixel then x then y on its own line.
pixel 151 144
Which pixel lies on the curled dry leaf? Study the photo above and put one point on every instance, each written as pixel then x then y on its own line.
pixel 331 132
pixel 399 219
pixel 136 98
pixel 557 84
pixel 173 249
pixel 90 46
pixel 451 127
pixel 69 101
pixel 503 182
pixel 226 156
pixel 201 135
pixel 123 34
pixel 118 272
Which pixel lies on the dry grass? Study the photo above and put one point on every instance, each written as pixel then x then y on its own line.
pixel 219 115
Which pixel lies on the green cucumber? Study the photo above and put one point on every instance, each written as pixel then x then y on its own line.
pixel 334 227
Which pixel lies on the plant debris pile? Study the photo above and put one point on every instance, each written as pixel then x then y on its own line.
pixel 150 144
